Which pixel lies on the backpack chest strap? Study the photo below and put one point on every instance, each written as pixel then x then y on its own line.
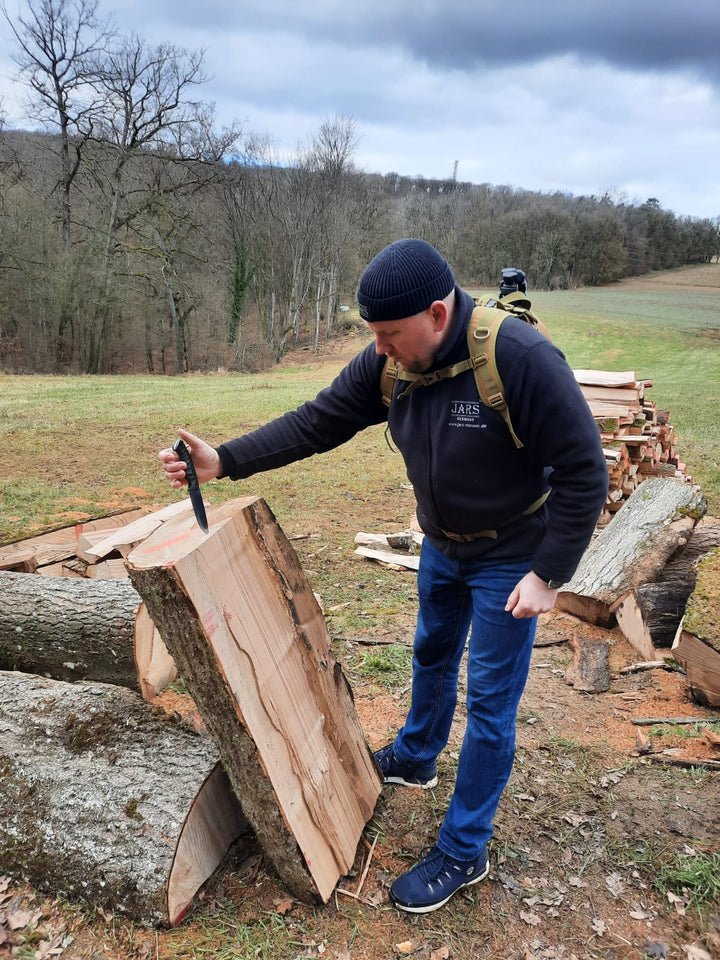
pixel 427 379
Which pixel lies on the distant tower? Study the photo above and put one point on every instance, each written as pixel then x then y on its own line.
pixel 455 172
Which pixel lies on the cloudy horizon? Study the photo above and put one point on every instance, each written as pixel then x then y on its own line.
pixel 586 98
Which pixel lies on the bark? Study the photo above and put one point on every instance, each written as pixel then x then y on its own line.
pixel 243 625
pixel 81 629
pixel 632 549
pixel 105 801
pixel 589 672
pixel 68 628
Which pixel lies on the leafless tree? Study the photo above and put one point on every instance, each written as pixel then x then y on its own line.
pixel 58 43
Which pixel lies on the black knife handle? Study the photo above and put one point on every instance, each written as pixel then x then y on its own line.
pixel 182 451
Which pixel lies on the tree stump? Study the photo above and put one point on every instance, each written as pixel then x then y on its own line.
pixel 242 623
pixel 107 801
pixel 632 549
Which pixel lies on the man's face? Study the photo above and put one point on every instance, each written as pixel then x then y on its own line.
pixel 412 343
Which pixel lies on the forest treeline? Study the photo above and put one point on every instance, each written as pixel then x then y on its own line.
pixel 136 236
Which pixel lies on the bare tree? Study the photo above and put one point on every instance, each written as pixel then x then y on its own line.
pixel 58 43
pixel 147 109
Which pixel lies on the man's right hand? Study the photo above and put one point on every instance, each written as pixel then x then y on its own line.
pixel 205 458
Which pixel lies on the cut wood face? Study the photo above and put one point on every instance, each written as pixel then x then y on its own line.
pixel 212 825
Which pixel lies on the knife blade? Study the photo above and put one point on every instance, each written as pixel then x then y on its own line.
pixel 193 484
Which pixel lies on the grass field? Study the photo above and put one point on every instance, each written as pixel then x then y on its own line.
pixel 76 447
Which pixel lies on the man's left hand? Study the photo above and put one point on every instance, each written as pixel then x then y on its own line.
pixel 531 597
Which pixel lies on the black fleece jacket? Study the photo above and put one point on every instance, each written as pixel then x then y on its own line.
pixel 467 474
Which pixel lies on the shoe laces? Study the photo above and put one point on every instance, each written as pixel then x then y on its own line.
pixel 433 863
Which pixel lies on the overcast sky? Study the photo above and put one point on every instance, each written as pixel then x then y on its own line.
pixel 582 96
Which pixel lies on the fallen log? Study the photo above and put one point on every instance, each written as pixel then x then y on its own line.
pixel 250 641
pixel 632 550
pixel 107 801
pixel 81 629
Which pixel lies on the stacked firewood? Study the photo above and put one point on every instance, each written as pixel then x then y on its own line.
pixel 638 439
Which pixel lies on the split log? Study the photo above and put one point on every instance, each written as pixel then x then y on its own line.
pixel 78 629
pixel 27 556
pixel 697 646
pixel 632 550
pixel 650 616
pixel 106 801
pixel 249 638
pixel 395 561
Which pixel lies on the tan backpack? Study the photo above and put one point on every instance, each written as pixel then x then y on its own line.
pixel 486 320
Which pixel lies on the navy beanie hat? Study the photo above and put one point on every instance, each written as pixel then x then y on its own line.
pixel 402 280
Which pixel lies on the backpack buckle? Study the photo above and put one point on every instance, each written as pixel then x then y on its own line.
pixel 481 333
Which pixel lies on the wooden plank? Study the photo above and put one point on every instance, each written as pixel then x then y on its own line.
pixel 626 395
pixel 111 569
pixel 241 621
pixel 606 378
pixel 388 557
pixel 58 545
pixel 125 538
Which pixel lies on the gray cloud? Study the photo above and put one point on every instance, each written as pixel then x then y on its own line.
pixel 461 34
pixel 571 95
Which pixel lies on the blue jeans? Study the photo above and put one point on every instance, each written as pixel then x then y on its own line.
pixel 455 595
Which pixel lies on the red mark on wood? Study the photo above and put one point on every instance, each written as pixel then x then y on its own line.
pixel 169 543
pixel 210 622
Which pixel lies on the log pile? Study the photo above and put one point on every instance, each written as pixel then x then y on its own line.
pixel 285 755
pixel 94 549
pixel 638 439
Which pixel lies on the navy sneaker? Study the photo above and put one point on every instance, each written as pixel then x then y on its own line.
pixel 406 774
pixel 431 882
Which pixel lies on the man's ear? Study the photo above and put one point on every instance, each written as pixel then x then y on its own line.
pixel 440 315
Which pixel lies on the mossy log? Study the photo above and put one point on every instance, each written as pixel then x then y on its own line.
pixel 697 646
pixel 250 641
pixel 633 548
pixel 81 629
pixel 107 801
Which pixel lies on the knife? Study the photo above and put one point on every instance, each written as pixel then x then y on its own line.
pixel 193 484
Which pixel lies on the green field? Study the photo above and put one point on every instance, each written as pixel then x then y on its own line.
pixel 75 447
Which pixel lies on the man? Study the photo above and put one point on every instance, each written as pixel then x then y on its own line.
pixel 504 526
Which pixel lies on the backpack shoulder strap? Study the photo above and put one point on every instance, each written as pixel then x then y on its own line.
pixel 388 379
pixel 482 334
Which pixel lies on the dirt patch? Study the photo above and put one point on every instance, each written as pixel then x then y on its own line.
pixel 583 830
pixel 704 275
